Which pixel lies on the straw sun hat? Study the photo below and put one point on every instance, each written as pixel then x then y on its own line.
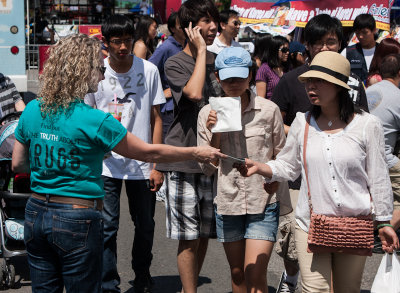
pixel 329 66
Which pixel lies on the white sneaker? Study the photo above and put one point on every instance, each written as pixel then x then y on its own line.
pixel 285 287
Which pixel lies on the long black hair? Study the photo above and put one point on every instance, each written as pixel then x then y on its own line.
pixel 261 43
pixel 271 54
pixel 142 31
pixel 346 107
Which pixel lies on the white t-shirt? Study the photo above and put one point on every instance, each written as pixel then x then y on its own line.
pixel 368 55
pixel 138 90
pixel 218 46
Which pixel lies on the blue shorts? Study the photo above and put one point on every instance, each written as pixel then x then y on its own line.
pixel 250 226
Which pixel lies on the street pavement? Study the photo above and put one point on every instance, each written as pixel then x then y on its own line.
pixel 214 277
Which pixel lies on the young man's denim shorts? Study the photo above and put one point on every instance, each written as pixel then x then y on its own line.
pixel 250 226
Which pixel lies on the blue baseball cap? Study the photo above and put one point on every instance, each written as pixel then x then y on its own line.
pixel 233 62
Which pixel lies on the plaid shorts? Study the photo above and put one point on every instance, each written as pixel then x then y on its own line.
pixel 189 206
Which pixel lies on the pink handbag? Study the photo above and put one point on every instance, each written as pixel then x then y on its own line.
pixel 327 234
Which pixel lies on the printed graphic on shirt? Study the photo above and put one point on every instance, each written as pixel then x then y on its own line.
pixel 374 99
pixel 54 151
pixel 126 90
pixel 353 84
pixel 126 98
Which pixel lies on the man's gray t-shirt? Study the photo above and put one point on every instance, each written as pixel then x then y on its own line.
pixel 384 102
pixel 183 131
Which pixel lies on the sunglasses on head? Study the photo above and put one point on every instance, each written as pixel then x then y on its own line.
pixel 284 50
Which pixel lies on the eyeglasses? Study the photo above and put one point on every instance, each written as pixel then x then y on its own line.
pixel 330 44
pixel 284 50
pixel 102 69
pixel 119 42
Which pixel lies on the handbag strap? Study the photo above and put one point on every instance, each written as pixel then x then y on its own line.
pixel 307 126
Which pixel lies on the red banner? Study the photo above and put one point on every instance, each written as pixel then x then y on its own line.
pixel 300 12
pixel 91 30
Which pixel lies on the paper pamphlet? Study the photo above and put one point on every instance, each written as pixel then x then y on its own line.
pixel 229 114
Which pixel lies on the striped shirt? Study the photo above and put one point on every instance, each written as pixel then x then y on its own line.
pixel 9 96
pixel 267 75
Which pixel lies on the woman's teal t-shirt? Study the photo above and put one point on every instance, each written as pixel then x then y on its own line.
pixel 66 150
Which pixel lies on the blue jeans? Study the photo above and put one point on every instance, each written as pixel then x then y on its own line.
pixel 141 207
pixel 64 246
pixel 263 226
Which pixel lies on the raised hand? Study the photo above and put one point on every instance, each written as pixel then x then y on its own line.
pixel 211 120
pixel 195 37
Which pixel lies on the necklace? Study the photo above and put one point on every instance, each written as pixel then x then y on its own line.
pixel 330 122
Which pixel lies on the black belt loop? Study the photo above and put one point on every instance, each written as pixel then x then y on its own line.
pixel 47 197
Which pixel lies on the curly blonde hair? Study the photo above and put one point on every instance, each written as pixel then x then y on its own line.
pixel 68 72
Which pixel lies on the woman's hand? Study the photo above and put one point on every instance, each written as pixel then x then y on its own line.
pixel 195 37
pixel 211 120
pixel 206 154
pixel 272 187
pixel 389 239
pixel 252 167
pixel 248 168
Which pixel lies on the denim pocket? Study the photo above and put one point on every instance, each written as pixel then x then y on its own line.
pixel 70 234
pixel 30 217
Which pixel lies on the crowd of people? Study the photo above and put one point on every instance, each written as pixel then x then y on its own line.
pixel 320 132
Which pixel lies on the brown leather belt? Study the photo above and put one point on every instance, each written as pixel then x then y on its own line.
pixel 96 203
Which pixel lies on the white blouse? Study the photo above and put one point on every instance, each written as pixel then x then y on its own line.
pixel 343 169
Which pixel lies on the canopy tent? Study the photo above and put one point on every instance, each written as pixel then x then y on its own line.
pixel 299 12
